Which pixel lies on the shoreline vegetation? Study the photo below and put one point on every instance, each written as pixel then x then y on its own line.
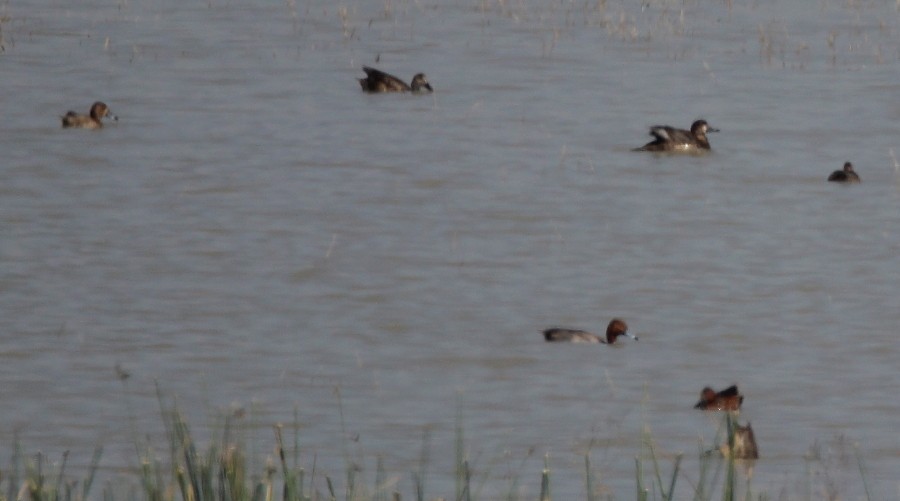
pixel 188 472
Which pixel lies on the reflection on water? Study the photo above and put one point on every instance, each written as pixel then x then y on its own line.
pixel 255 232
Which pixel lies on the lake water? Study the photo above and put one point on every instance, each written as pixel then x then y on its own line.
pixel 256 233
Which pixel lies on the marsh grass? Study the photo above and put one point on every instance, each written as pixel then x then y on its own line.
pixel 38 478
pixel 830 470
pixel 220 472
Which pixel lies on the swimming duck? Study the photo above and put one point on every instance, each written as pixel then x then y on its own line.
pixel 728 399
pixel 679 140
pixel 379 81
pixel 617 327
pixel 742 442
pixel 90 121
pixel 847 175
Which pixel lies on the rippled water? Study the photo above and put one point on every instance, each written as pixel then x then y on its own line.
pixel 257 233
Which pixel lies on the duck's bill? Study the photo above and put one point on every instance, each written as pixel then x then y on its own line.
pixel 710 129
pixel 632 336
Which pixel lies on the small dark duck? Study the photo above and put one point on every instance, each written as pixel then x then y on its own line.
pixel 679 140
pixel 90 121
pixel 728 399
pixel 847 175
pixel 617 327
pixel 379 81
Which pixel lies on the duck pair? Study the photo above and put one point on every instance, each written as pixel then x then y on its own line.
pixel 670 139
pixel 741 442
pixel 375 81
pixel 729 399
pixel 667 138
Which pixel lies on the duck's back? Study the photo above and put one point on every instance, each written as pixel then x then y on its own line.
pixel 379 81
pixel 668 138
pixel 840 176
pixel 72 119
pixel 563 335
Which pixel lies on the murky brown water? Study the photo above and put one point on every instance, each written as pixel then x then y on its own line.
pixel 256 232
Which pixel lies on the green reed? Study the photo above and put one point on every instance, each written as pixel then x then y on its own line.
pixel 220 472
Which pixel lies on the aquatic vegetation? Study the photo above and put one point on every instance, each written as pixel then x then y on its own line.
pixel 220 472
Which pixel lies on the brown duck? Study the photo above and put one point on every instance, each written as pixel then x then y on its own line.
pixel 89 121
pixel 670 139
pixel 379 81
pixel 728 399
pixel 847 175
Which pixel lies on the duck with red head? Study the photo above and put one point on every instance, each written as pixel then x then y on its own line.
pixel 617 327
pixel 728 399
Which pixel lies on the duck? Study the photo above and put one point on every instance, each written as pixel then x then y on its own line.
pixel 670 139
pixel 742 442
pixel 846 175
pixel 728 399
pixel 91 120
pixel 617 327
pixel 378 81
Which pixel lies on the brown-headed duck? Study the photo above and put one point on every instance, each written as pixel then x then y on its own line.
pixel 617 327
pixel 89 121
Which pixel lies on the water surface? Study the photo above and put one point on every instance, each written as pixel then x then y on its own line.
pixel 257 233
